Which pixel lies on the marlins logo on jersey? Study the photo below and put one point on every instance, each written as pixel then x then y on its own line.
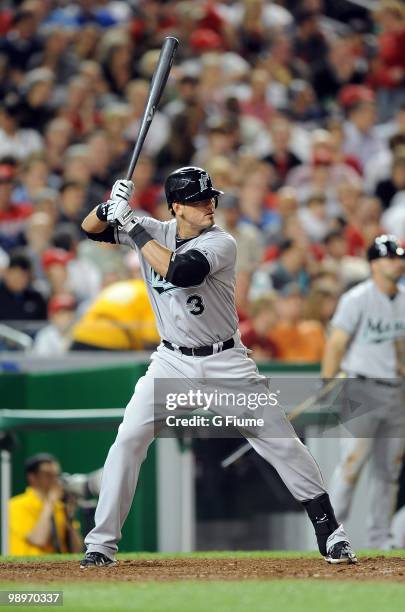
pixel 160 284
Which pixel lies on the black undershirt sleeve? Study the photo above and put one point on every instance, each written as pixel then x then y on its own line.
pixel 187 269
pixel 107 235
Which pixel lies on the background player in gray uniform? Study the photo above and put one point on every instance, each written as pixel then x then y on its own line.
pixel 188 265
pixel 367 344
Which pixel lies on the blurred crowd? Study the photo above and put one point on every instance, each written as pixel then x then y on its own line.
pixel 296 109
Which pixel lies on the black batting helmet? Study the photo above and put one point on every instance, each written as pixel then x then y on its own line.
pixel 385 245
pixel 190 184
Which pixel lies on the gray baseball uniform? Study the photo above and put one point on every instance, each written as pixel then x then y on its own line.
pixel 191 317
pixel 373 321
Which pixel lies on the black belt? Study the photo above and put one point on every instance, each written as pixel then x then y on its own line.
pixel 378 381
pixel 201 351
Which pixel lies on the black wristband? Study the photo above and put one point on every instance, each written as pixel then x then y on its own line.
pixel 139 235
pixel 102 211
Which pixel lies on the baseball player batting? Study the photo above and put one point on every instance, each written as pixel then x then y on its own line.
pixel 368 324
pixel 188 265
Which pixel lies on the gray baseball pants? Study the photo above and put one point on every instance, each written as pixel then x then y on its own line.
pixel 280 446
pixel 374 431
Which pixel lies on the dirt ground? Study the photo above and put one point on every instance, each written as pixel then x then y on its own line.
pixel 367 569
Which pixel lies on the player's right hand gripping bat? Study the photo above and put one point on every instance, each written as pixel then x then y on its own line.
pixel 155 93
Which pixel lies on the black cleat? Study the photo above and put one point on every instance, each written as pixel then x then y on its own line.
pixel 341 552
pixel 96 559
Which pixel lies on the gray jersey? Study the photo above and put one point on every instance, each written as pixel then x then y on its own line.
pixel 199 315
pixel 374 321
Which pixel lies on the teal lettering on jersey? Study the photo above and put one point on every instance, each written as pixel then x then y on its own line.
pixel 380 330
pixel 160 284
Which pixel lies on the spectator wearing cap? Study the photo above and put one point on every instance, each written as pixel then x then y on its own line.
pixel 40 520
pixel 361 137
pixel 296 339
pixel 13 216
pixel 54 338
pixel 19 301
pixel 54 264
pixel 14 140
pixel 255 330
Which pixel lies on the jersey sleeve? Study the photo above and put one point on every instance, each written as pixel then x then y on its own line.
pixel 348 313
pixel 220 252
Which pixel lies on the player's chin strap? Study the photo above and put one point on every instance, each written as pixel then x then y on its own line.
pixel 323 518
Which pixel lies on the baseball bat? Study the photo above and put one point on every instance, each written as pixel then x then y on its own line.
pixel 294 414
pixel 157 86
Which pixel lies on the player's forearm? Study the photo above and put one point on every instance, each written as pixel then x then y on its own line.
pixel 157 256
pixel 331 360
pixel 41 533
pixel 92 224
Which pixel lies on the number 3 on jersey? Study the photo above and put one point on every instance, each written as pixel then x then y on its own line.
pixel 195 304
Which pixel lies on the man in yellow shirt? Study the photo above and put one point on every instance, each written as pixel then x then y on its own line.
pixel 39 521
pixel 120 319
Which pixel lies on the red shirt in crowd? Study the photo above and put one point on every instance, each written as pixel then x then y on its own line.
pixel 253 341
